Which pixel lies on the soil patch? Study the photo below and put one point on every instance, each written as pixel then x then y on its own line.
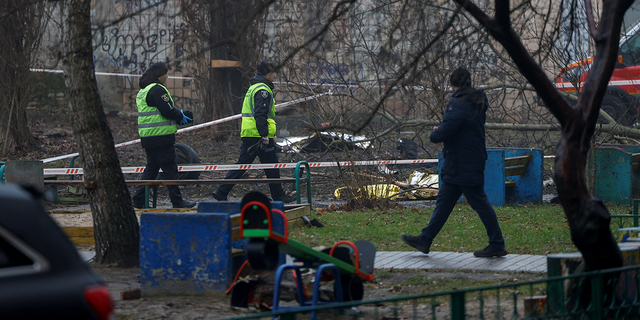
pixel 389 285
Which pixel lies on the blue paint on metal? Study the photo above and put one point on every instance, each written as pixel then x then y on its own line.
pixel 233 207
pixel 527 188
pixel 615 182
pixel 184 253
pixel 228 207
pixel 494 176
pixel 187 253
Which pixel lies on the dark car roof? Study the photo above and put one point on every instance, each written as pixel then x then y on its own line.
pixel 25 218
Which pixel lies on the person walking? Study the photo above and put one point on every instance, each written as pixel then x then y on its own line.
pixel 258 130
pixel 465 154
pixel 157 126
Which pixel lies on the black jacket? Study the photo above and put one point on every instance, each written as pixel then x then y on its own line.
pixel 165 106
pixel 462 132
pixel 263 102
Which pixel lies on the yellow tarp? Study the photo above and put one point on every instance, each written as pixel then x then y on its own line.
pixel 372 191
pixel 426 185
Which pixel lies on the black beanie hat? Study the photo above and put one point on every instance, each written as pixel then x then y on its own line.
pixel 264 68
pixel 156 70
pixel 460 78
pixel 152 74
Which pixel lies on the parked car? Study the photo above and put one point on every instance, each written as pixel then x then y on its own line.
pixel 42 275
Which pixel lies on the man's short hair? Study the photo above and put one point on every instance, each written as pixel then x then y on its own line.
pixel 460 78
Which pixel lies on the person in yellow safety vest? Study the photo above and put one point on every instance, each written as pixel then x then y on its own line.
pixel 157 126
pixel 258 130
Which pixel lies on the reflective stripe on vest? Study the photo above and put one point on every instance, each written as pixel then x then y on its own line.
pixel 150 121
pixel 248 128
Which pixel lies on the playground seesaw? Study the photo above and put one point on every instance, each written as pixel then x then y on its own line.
pixel 347 263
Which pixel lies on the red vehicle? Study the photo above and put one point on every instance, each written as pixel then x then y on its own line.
pixel 621 101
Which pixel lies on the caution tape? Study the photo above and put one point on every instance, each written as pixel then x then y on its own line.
pixel 226 167
pixel 107 74
pixel 257 166
pixel 195 127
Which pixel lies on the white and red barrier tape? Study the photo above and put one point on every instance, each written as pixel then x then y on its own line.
pixel 107 74
pixel 225 167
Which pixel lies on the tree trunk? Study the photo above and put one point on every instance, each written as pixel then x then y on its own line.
pixel 114 221
pixel 233 31
pixel 19 23
pixel 226 83
pixel 588 217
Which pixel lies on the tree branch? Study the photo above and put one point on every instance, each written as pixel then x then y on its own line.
pixel 503 33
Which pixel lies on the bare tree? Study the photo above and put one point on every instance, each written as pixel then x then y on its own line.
pixel 21 26
pixel 588 217
pixel 115 224
pixel 224 30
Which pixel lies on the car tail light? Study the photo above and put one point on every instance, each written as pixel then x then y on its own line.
pixel 100 301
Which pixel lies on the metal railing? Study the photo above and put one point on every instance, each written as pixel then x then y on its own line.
pixel 607 294
pixel 626 220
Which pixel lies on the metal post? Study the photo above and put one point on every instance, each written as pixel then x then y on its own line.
pixel 597 305
pixel 457 305
pixel 296 175
pixel 635 212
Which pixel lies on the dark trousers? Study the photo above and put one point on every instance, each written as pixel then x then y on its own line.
pixel 246 157
pixel 447 198
pixel 160 158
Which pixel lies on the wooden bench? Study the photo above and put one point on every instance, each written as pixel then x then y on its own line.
pixel 515 166
pixel 511 175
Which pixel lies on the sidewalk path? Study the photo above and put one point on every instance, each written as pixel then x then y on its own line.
pixel 442 260
pixel 459 261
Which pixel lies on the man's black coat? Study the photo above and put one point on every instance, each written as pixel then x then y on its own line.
pixel 462 132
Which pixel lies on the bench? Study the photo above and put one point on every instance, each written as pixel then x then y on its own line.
pixel 195 253
pixel 614 173
pixel 297 180
pixel 511 175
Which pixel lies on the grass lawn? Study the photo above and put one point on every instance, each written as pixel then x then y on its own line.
pixel 528 229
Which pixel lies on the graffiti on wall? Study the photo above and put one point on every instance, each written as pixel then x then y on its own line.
pixel 134 52
pixel 326 72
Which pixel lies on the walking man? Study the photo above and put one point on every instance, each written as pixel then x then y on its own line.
pixel 157 127
pixel 462 132
pixel 258 130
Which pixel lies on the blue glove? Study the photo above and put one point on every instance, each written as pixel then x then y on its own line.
pixel 185 120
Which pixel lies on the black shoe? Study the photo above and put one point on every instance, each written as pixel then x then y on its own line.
pixel 185 204
pixel 286 198
pixel 219 196
pixel 138 205
pixel 490 251
pixel 417 243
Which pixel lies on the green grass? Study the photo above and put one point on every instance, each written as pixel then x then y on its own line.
pixel 527 229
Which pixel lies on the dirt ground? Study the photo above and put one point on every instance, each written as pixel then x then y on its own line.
pixel 52 133
pixel 217 307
